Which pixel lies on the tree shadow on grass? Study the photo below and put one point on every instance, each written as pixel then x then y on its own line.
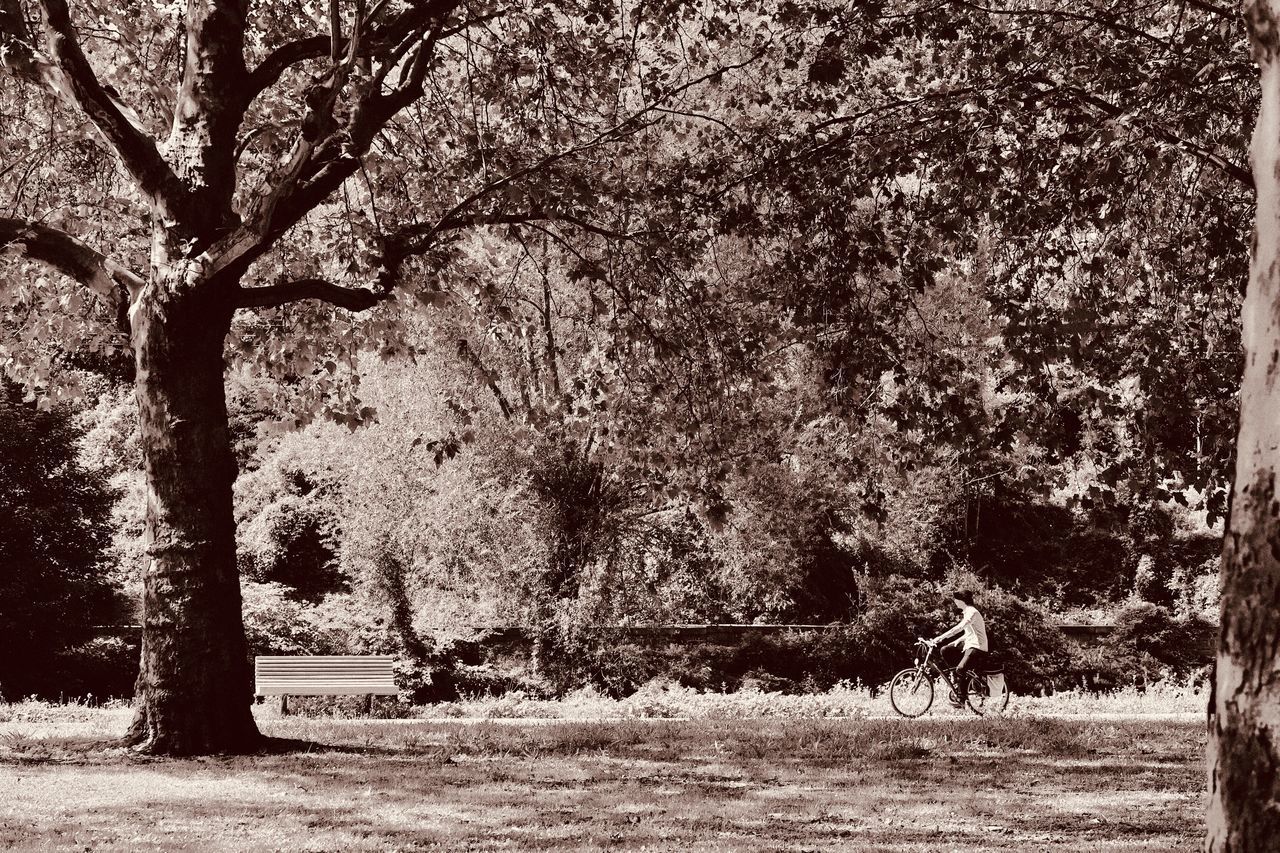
pixel 25 749
pixel 349 799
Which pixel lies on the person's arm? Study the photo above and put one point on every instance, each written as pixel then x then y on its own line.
pixel 957 629
pixel 949 633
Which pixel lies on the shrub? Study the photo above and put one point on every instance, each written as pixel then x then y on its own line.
pixel 869 651
pixel 102 668
pixel 56 526
pixel 276 623
pixel 1035 652
pixel 1149 641
pixel 568 660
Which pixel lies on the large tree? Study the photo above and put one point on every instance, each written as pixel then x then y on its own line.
pixel 240 157
pixel 1244 722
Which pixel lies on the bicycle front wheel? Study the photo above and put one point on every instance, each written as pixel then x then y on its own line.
pixel 911 692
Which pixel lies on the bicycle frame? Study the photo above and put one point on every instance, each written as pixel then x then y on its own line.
pixel 930 666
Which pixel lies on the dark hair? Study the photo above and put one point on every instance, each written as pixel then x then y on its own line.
pixel 964 595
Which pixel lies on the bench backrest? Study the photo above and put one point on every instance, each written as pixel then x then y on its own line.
pixel 335 675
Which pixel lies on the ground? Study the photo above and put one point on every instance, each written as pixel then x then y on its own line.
pixel 857 784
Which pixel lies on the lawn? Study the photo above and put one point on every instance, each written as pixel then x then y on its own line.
pixel 858 784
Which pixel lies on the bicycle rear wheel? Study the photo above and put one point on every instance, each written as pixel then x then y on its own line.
pixel 984 696
pixel 998 685
pixel 911 692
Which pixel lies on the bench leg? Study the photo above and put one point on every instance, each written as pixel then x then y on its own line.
pixel 368 705
pixel 284 705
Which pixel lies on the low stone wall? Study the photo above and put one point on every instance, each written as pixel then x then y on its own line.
pixel 508 642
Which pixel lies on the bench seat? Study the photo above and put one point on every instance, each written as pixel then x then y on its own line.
pixel 331 675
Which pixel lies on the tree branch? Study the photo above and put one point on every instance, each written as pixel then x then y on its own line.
pixel 473 358
pixel 135 148
pixel 206 115
pixel 1070 14
pixel 72 257
pixel 457 222
pixel 324 156
pixel 272 296
pixel 629 125
pixel 280 60
pixel 1222 164
pixel 1231 14
pixel 20 57
pixel 376 41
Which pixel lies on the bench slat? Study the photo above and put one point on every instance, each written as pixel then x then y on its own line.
pixel 302 663
pixel 325 681
pixel 322 675
pixel 321 689
pixel 325 657
pixel 375 673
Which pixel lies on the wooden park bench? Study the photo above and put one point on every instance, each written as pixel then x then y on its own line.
pixel 333 675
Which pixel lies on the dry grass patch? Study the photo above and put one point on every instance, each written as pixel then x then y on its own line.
pixel 686 785
pixel 663 699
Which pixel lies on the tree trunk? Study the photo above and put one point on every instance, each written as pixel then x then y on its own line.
pixel 391 576
pixel 1244 717
pixel 193 692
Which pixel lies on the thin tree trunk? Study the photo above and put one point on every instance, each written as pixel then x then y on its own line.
pixel 193 691
pixel 391 574
pixel 1244 718
pixel 552 368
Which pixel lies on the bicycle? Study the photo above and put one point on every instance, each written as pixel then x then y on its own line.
pixel 911 691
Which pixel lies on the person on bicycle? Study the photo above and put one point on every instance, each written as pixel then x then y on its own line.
pixel 972 631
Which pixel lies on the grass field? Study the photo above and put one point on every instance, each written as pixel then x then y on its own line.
pixel 950 783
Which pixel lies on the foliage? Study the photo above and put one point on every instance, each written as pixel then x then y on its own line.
pixel 784 546
pixel 278 623
pixel 56 530
pixel 99 669
pixel 743 329
pixel 867 650
pixel 288 525
pixel 1149 639
pixel 110 450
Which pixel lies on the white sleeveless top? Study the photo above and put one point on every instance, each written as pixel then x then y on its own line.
pixel 975 629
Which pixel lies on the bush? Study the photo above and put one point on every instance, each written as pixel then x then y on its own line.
pixel 56 526
pixel 1034 651
pixel 1023 637
pixel 276 623
pixel 569 660
pixel 102 668
pixel 869 651
pixel 1150 642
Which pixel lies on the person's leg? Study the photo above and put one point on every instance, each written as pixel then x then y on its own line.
pixel 962 675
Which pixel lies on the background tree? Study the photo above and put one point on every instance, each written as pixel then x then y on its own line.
pixel 53 584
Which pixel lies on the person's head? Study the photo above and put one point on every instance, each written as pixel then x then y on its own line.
pixel 962 598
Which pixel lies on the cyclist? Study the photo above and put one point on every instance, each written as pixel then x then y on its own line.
pixel 973 639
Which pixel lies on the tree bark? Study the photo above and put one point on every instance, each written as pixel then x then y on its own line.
pixel 193 691
pixel 1244 717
